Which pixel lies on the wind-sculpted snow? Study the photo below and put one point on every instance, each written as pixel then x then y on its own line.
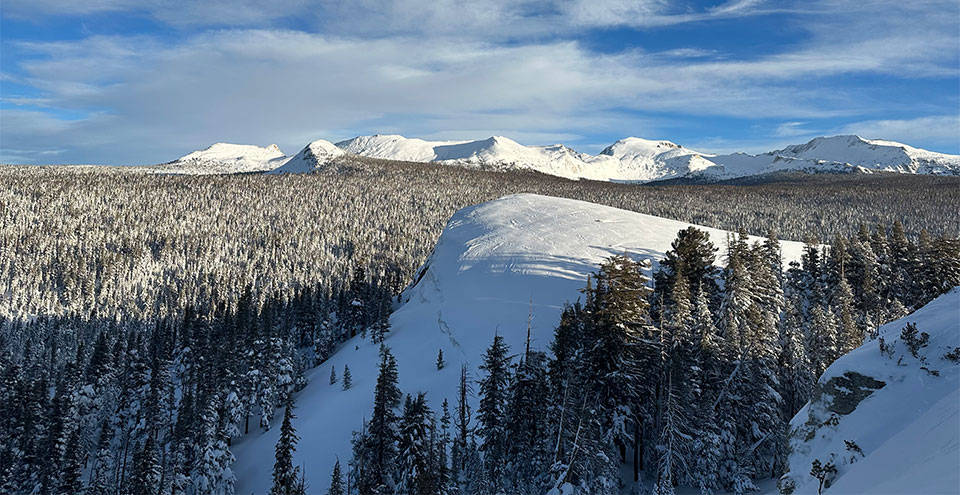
pixel 901 410
pixel 494 265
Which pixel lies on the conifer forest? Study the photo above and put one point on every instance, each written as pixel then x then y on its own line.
pixel 150 322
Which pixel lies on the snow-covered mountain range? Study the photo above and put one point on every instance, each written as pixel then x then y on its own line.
pixel 641 160
pixel 225 158
pixel 627 160
pixel 887 418
pixel 494 265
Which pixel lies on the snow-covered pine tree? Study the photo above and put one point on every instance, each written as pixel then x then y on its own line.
pixel 620 346
pixel 416 453
pixel 528 451
pixel 212 474
pixel 441 464
pixel 376 448
pixel 460 453
pixel 849 333
pixel 491 412
pixel 286 477
pixel 690 259
pixel 823 339
pixel 145 479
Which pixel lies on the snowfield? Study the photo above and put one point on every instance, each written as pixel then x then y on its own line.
pixel 494 264
pixel 908 429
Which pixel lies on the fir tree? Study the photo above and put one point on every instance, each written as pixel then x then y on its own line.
pixel 375 449
pixel 440 361
pixel 347 379
pixel 491 412
pixel 285 475
pixel 333 375
pixel 414 473
pixel 336 481
pixel 145 479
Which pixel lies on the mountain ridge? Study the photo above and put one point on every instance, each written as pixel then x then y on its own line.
pixel 635 159
pixel 630 159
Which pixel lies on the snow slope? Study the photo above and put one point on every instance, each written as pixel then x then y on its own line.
pixel 311 158
pixel 908 427
pixel 641 160
pixel 493 263
pixel 224 158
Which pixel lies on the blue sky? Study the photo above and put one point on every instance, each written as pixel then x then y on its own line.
pixel 133 82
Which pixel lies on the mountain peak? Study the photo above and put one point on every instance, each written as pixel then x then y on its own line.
pixel 311 158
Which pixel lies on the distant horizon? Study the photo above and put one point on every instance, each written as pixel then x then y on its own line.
pixel 120 81
pixel 598 148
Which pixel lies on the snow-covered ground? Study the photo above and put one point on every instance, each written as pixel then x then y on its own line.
pixel 642 160
pixel 224 158
pixel 908 427
pixel 494 263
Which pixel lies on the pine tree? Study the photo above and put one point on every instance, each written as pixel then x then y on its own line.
pixel 333 375
pixel 414 473
pixel 823 339
pixel 145 479
pixel 460 456
pixel 441 465
pixel 347 379
pixel 528 454
pixel 690 259
pixel 440 362
pixel 336 481
pixel 212 474
pixel 491 412
pixel 285 475
pixel 849 335
pixel 72 472
pixel 620 345
pixel 375 449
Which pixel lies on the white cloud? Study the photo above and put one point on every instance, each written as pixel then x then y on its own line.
pixel 942 129
pixel 445 75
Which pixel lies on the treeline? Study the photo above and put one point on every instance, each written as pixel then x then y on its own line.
pixel 690 379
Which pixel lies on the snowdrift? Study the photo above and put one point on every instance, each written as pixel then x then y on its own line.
pixel 494 264
pixel 899 409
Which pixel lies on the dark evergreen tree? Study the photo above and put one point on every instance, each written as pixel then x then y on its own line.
pixel 347 378
pixel 285 475
pixel 440 362
pixel 145 479
pixel 336 481
pixel 491 412
pixel 416 453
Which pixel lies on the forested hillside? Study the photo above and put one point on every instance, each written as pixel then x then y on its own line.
pixel 148 322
